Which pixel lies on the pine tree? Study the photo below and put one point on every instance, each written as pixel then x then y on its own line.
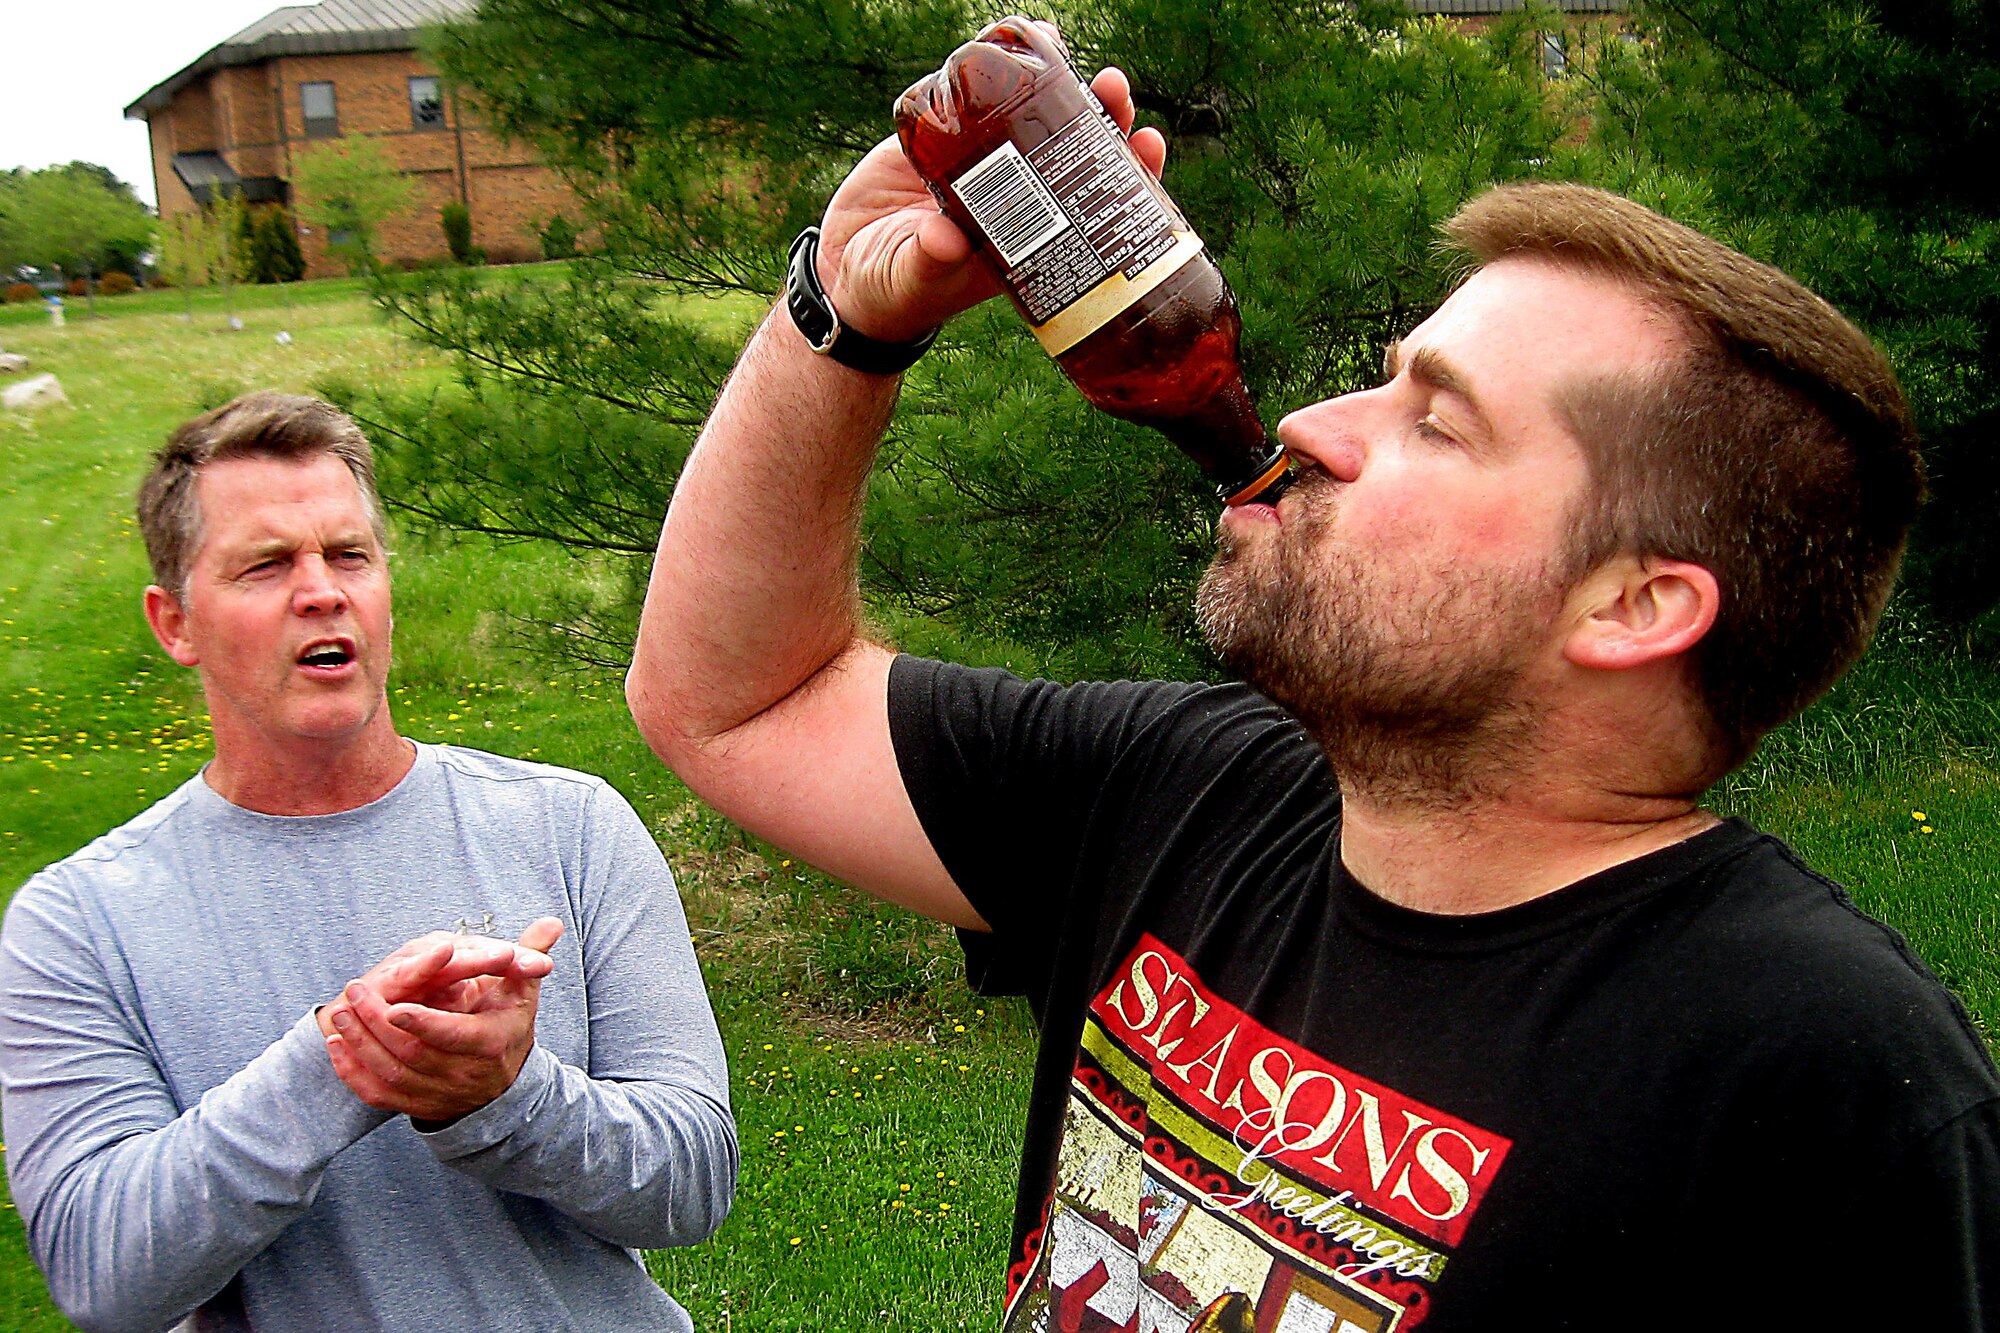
pixel 1840 143
pixel 281 239
pixel 1315 146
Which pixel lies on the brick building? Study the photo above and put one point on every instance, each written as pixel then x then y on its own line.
pixel 238 117
pixel 1578 17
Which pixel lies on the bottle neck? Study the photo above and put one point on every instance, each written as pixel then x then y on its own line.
pixel 1226 439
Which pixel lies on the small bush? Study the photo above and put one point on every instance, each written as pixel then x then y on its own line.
pixel 509 254
pixel 456 219
pixel 77 287
pixel 116 284
pixel 558 237
pixel 271 245
pixel 18 292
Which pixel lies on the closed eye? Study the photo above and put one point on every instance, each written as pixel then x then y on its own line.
pixel 1428 429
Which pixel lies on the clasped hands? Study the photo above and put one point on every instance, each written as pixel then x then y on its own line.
pixel 441 1026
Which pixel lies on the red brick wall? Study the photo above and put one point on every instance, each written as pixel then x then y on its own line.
pixel 252 114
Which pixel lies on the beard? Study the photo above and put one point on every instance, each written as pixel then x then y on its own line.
pixel 1409 679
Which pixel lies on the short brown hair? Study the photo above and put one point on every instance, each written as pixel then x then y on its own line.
pixel 1777 451
pixel 264 424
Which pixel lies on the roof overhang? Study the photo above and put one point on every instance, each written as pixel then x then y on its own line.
pixel 207 175
pixel 330 27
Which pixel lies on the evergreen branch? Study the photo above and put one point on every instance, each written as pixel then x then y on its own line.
pixel 440 338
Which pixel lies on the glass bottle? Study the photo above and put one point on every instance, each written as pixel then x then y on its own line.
pixel 1117 287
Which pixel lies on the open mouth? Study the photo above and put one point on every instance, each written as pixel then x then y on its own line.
pixel 326 655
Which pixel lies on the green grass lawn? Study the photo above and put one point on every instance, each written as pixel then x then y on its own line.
pixel 879 1103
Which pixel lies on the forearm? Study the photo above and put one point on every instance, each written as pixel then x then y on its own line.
pixel 138 1232
pixel 644 1163
pixel 754 591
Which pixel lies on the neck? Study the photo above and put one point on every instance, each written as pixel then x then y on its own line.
pixel 312 778
pixel 1495 853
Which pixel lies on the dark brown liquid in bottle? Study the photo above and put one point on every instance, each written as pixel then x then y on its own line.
pixel 1169 359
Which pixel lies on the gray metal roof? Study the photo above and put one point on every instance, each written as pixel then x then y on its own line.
pixel 204 170
pixel 330 27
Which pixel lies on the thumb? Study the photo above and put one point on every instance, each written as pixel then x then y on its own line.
pixel 539 938
pixel 541 934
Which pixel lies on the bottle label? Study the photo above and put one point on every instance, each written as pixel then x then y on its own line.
pixel 1080 228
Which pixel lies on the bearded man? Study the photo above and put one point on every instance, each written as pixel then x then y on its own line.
pixel 1408 983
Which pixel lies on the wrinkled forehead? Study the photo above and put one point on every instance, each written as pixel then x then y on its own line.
pixel 280 503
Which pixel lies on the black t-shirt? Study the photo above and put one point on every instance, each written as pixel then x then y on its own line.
pixel 1697 1091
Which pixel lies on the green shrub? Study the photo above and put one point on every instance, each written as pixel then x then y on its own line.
pixel 116 284
pixel 456 219
pixel 558 237
pixel 271 246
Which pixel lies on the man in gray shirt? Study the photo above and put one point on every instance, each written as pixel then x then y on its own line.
pixel 265 1060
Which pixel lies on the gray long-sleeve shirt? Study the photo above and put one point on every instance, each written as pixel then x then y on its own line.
pixel 178 1141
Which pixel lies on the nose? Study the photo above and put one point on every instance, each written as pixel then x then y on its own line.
pixel 1328 433
pixel 318 592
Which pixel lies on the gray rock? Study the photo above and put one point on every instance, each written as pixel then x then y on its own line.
pixel 41 391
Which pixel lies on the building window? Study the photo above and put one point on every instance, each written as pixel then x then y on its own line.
pixel 426 103
pixel 1555 59
pixel 316 103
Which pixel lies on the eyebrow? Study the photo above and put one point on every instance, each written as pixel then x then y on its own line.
pixel 263 550
pixel 1430 366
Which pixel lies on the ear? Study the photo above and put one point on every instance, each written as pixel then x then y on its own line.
pixel 169 623
pixel 1634 611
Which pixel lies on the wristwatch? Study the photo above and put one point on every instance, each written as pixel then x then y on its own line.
pixel 818 321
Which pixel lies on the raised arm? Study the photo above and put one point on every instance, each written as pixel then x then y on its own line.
pixel 752 678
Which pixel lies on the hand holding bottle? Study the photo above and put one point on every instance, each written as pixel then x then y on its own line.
pixel 894 266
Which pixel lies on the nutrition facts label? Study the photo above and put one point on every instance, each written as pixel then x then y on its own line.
pixel 1068 215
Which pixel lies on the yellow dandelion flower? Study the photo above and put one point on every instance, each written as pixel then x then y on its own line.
pixel 1919 816
pixel 797 1239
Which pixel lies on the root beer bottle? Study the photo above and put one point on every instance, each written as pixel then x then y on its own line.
pixel 1118 288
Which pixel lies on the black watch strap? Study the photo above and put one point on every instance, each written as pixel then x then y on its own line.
pixel 816 319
